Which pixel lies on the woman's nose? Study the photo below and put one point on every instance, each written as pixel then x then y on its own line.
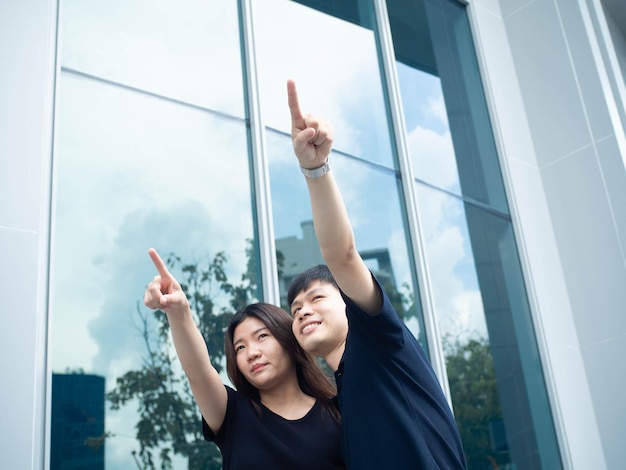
pixel 253 353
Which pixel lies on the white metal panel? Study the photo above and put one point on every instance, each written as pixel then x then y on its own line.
pixel 27 51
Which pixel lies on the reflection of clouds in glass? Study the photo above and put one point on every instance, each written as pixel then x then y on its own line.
pixel 432 154
pixel 457 300
pixel 399 255
pixel 183 229
pixel 422 99
pixel 137 151
pixel 414 327
pixel 135 172
pixel 354 179
pixel 131 156
pixel 436 108
pixel 120 446
pixel 163 46
pixel 429 141
pixel 372 200
pixel 469 306
pixel 123 442
pixel 290 200
pixel 432 151
pixel 336 80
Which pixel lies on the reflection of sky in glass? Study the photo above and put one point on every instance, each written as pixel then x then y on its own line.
pixel 335 66
pixel 428 135
pixel 454 284
pixel 164 46
pixel 135 172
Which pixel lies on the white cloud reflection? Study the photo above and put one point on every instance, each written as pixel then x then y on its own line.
pixel 163 46
pixel 453 278
pixel 134 158
pixel 335 66
pixel 432 153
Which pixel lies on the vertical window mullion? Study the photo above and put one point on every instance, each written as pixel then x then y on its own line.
pixel 264 228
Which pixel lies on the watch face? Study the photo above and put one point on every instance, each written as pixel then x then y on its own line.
pixel 316 172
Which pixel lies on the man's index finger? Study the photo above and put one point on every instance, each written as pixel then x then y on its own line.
pixel 294 105
pixel 158 263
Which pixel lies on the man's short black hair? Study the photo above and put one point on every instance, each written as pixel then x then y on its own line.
pixel 301 283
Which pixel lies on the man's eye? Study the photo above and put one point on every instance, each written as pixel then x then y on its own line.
pixel 295 311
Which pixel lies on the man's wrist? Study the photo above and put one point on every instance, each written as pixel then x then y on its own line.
pixel 318 172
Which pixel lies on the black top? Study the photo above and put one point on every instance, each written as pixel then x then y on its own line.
pixel 394 413
pixel 249 440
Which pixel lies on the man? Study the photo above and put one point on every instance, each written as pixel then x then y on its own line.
pixel 394 413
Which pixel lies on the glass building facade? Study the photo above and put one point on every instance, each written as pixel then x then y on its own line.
pixel 172 131
pixel 173 127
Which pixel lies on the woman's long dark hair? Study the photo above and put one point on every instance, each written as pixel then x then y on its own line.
pixel 311 378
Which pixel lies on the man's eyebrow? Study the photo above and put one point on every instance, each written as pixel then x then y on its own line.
pixel 308 293
pixel 315 291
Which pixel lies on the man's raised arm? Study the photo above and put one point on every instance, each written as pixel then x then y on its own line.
pixel 312 140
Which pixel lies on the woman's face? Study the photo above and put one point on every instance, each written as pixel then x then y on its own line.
pixel 260 357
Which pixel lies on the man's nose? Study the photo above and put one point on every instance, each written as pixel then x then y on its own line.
pixel 304 312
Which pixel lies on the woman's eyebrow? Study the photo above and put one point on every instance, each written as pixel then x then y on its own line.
pixel 239 340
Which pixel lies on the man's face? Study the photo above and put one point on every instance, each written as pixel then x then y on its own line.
pixel 319 319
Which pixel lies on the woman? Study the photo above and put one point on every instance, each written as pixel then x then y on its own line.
pixel 282 415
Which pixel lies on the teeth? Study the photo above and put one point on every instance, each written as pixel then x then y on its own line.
pixel 310 326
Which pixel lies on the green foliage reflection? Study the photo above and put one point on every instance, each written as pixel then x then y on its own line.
pixel 477 410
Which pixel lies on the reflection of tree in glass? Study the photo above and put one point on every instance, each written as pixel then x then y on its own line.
pixel 403 302
pixel 169 421
pixel 476 406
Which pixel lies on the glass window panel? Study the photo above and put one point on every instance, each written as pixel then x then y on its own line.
pixel 451 265
pixel 428 135
pixel 495 376
pixel 335 65
pixel 527 417
pixel 372 198
pixel 184 49
pixel 432 37
pixel 134 172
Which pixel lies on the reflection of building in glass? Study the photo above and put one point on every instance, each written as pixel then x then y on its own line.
pixel 299 254
pixel 302 253
pixel 77 423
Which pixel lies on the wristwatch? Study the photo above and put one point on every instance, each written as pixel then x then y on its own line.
pixel 316 172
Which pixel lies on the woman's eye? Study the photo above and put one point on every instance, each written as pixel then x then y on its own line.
pixel 262 335
pixel 239 348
